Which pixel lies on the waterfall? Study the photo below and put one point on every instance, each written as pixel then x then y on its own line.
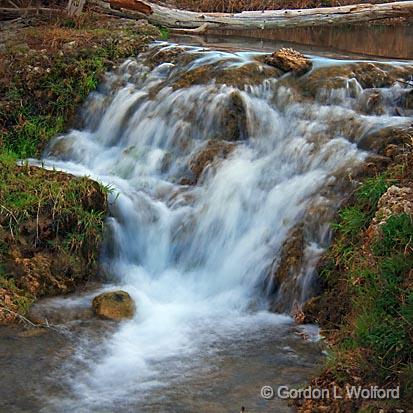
pixel 208 178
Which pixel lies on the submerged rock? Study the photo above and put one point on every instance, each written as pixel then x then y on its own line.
pixel 213 150
pixel 371 102
pixel 114 305
pixel 234 118
pixel 289 60
pixel 252 73
pixel 352 79
pixel 50 311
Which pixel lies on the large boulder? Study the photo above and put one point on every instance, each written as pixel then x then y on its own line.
pixel 289 60
pixel 114 305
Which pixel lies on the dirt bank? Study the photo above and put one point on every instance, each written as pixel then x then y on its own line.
pixel 51 223
pixel 366 308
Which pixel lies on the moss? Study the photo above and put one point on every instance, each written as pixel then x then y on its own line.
pixel 164 33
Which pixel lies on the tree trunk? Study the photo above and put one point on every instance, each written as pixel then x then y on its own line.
pixel 269 19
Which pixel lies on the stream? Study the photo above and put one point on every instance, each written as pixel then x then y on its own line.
pixel 213 159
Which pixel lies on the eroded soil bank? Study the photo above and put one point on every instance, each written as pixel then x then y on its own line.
pixel 51 222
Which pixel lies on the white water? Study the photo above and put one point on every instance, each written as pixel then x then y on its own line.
pixel 194 258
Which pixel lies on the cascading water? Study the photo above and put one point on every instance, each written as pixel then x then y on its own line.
pixel 208 178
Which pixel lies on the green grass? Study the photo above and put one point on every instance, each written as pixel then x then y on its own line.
pixel 42 90
pixel 26 192
pixel 352 221
pixel 51 228
pixel 376 332
pixel 51 224
pixel 372 189
pixel 164 33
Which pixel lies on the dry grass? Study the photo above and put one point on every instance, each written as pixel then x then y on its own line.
pixel 236 6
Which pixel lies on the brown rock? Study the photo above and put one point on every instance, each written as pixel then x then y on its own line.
pixel 378 141
pixel 282 278
pixel 234 118
pixel 114 305
pixel 371 102
pixel 289 60
pixel 213 150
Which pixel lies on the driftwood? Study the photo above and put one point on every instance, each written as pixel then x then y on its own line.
pixel 269 19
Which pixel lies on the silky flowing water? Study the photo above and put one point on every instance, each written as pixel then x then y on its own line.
pixel 196 252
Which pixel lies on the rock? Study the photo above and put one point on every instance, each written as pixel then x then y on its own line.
pixel 114 305
pixel 326 78
pixel 407 100
pixel 247 74
pixel 234 118
pixel 371 75
pixel 282 279
pixel 168 55
pixel 371 102
pixel 394 201
pixel 54 312
pixel 213 150
pixel 378 141
pixel 310 310
pixel 373 165
pixel 289 60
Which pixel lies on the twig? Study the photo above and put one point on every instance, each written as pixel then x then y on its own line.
pixel 27 321
pixel 13 4
pixel 20 316
pixel 11 216
pixel 409 83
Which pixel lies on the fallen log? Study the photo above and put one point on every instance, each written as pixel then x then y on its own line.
pixel 22 10
pixel 268 19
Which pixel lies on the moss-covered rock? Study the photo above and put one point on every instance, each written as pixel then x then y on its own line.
pixel 114 305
